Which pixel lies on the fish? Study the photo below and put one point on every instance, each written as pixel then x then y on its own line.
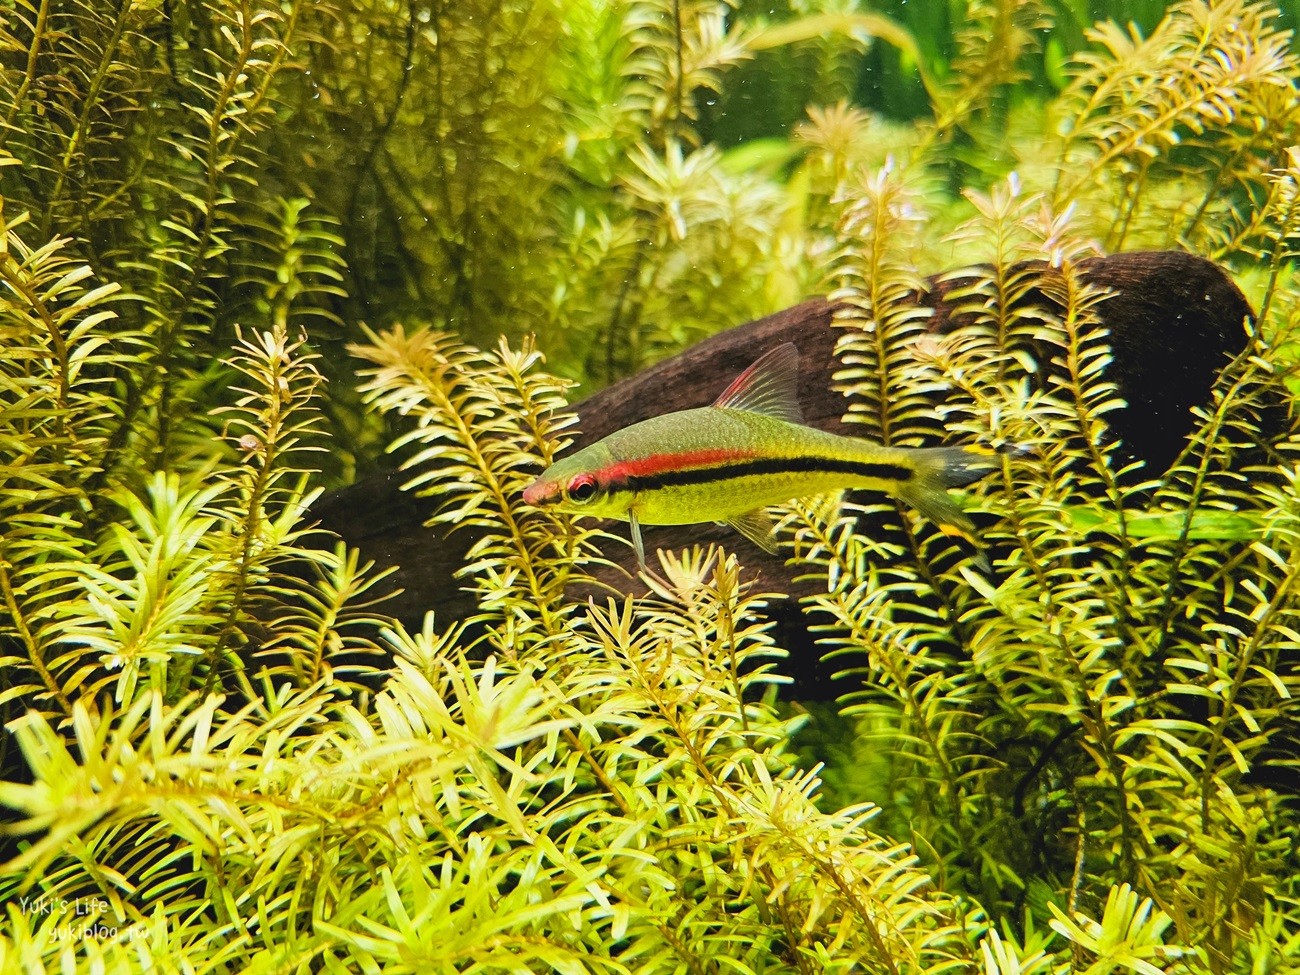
pixel 729 462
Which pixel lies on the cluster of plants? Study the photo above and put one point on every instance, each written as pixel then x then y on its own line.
pixel 245 246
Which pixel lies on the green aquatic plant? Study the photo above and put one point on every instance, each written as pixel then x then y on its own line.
pixel 221 754
pixel 606 790
pixel 1207 100
pixel 1129 654
pixel 563 187
pixel 134 133
pixel 152 585
pixel 991 50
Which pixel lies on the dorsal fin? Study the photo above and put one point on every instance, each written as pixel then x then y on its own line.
pixel 770 386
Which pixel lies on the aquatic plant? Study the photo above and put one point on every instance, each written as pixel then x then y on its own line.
pixel 220 754
pixel 1096 684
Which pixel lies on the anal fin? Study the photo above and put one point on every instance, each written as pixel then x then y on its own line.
pixel 758 527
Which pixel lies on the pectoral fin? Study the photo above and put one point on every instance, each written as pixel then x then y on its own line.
pixel 757 526
pixel 637 545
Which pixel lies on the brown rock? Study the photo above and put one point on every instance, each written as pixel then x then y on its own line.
pixel 1174 321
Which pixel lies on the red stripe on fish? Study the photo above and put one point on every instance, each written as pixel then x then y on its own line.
pixel 624 470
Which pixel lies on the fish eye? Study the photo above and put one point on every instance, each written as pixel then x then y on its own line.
pixel 582 488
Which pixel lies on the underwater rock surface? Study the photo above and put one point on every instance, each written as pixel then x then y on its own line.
pixel 1174 321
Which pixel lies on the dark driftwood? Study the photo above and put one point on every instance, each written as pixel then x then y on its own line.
pixel 1174 320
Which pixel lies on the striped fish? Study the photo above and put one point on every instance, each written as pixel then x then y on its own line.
pixel 728 462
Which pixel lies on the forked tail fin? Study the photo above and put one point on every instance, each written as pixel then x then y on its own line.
pixel 939 468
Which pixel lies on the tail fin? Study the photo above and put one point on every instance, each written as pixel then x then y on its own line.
pixel 937 470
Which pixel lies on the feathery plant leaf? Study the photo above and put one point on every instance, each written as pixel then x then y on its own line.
pixel 1209 97
pixel 56 414
pixel 876 280
pixel 1128 936
pixel 222 755
pixel 991 49
pixel 136 126
pixel 679 49
pixel 1050 696
pixel 481 421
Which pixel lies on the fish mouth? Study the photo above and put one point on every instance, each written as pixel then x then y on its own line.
pixel 538 492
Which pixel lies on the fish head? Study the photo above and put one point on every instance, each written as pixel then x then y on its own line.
pixel 578 485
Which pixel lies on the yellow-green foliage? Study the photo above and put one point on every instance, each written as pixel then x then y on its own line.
pixel 1126 670
pixel 221 755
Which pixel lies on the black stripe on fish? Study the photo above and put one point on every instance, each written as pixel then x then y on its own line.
pixel 875 470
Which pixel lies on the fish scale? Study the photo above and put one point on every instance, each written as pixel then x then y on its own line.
pixel 726 462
